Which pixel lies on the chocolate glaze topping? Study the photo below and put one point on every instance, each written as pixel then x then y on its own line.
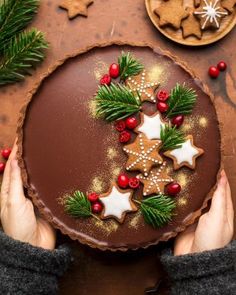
pixel 63 147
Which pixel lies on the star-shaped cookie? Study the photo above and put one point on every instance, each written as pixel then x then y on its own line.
pixel 145 89
pixel 76 7
pixel 116 203
pixel 156 181
pixel 191 26
pixel 143 154
pixel 166 15
pixel 228 4
pixel 186 155
pixel 151 125
pixel 210 14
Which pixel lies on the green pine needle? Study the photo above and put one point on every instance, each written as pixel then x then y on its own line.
pixel 15 15
pixel 181 101
pixel 157 210
pixel 171 137
pixel 116 102
pixel 22 53
pixel 129 66
pixel 78 205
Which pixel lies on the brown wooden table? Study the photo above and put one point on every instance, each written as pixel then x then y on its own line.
pixel 94 272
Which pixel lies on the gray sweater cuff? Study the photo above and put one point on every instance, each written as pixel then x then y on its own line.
pixel 22 255
pixel 200 264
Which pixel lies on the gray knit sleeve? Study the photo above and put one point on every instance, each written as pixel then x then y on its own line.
pixel 25 269
pixel 210 272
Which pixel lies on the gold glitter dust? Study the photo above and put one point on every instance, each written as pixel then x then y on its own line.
pixel 61 200
pixel 111 153
pixel 182 179
pixel 92 108
pixel 182 202
pixel 100 69
pixel 134 223
pixel 203 122
pixel 97 185
pixel 159 74
pixel 107 226
pixel 186 127
pixel 115 172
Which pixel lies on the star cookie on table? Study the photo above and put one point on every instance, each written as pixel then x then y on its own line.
pixel 228 4
pixel 143 154
pixel 151 125
pixel 191 26
pixel 116 203
pixel 186 155
pixel 76 7
pixel 171 13
pixel 210 14
pixel 145 89
pixel 156 181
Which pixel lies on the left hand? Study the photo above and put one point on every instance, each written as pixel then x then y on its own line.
pixel 17 214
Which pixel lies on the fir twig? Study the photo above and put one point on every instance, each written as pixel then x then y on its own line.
pixel 157 210
pixel 129 66
pixel 181 101
pixel 20 55
pixel 78 205
pixel 171 138
pixel 15 15
pixel 116 102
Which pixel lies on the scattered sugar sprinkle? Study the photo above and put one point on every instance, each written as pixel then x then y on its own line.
pixel 203 122
pixel 134 223
pixel 97 184
pixel 61 200
pixel 111 153
pixel 92 108
pixel 182 202
pixel 182 179
pixel 159 74
pixel 107 226
pixel 115 171
pixel 100 69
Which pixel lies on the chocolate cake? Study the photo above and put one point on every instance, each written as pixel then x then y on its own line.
pixel 64 147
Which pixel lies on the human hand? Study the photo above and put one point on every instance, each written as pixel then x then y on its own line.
pixel 18 218
pixel 214 229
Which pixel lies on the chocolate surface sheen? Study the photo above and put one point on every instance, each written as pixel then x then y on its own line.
pixel 66 148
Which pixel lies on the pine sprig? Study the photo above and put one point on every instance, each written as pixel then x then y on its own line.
pixel 171 137
pixel 78 205
pixel 116 102
pixel 181 101
pixel 15 15
pixel 157 210
pixel 129 66
pixel 21 54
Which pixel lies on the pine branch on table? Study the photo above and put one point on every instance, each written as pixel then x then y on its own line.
pixel 116 102
pixel 22 53
pixel 181 101
pixel 15 15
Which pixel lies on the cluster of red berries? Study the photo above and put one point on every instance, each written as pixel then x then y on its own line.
pixel 122 126
pixel 114 72
pixel 5 154
pixel 215 71
pixel 162 106
pixel 124 181
pixel 95 203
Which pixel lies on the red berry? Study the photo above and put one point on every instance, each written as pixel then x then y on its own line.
pixel 213 72
pixel 97 207
pixel 131 122
pixel 123 180
pixel 173 188
pixel 2 167
pixel 134 182
pixel 93 197
pixel 6 153
pixel 105 80
pixel 178 120
pixel 114 70
pixel 124 136
pixel 162 95
pixel 162 107
pixel 120 125
pixel 222 66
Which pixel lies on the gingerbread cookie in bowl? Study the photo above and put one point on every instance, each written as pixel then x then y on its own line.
pixel 194 23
